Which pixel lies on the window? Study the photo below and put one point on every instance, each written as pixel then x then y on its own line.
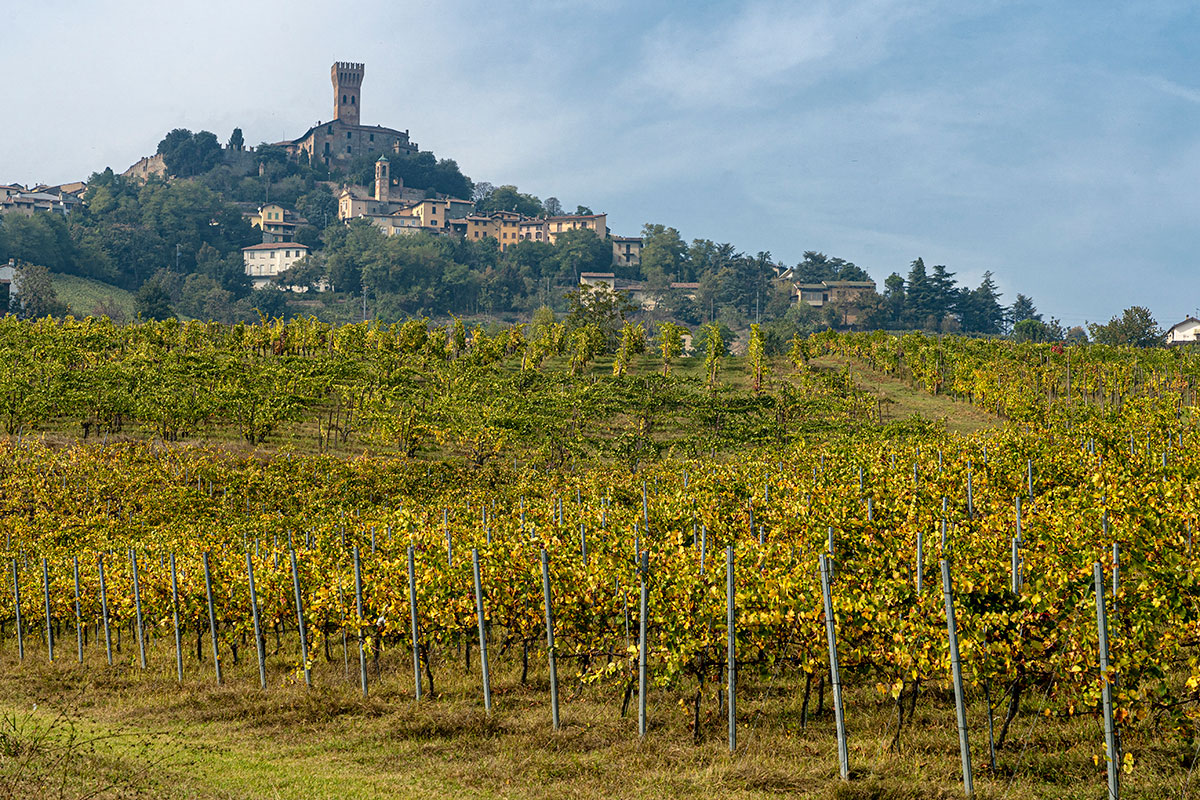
pixel 343 98
pixel 372 137
pixel 351 99
pixel 348 149
pixel 347 134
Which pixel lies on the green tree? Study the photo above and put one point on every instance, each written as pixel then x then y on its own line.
pixel 921 301
pixel 36 293
pixel 1136 327
pixel 894 300
pixel 981 310
pixel 598 307
pixel 187 154
pixel 581 250
pixel 1022 309
pixel 319 206
pixel 816 267
pixel 40 239
pixel 236 140
pixel 664 254
pixel 945 296
pixel 153 299
pixel 1034 330
pixel 348 249
pixel 508 198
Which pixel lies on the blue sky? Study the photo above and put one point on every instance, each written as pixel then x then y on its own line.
pixel 1057 145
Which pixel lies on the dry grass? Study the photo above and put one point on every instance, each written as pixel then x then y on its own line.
pixel 118 732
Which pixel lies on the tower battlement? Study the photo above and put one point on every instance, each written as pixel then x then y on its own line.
pixel 347 77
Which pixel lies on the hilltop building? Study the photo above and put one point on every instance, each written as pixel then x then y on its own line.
pixel 627 251
pixel 344 137
pixel 278 224
pixel 62 199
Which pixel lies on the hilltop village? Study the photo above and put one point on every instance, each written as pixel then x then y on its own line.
pixel 352 221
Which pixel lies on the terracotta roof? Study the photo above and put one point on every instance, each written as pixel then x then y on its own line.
pixel 565 217
pixel 276 246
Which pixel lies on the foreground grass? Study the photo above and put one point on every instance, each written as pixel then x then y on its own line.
pixel 70 730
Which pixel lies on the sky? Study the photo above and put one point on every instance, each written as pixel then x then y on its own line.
pixel 1054 144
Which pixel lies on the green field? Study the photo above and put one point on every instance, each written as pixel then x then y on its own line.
pixel 87 297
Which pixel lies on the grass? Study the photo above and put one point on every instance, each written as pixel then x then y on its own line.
pixel 109 732
pixel 899 401
pixel 88 297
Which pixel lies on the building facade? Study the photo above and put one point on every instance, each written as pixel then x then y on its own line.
pixel 276 223
pixel 264 261
pixel 1186 332
pixel 627 251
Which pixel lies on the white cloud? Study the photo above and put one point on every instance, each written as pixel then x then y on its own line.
pixel 740 59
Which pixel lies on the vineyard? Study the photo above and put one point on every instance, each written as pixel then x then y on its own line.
pixel 730 564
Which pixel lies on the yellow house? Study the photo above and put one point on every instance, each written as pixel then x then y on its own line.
pixel 532 230
pixel 547 229
pixel 437 214
pixel 503 226
pixel 481 227
pixel 508 228
pixel 572 222
pixel 272 220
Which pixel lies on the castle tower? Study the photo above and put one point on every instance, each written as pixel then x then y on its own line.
pixel 381 180
pixel 347 90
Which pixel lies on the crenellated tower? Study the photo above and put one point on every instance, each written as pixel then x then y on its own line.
pixel 347 91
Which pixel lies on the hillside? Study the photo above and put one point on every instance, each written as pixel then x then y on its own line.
pixel 87 297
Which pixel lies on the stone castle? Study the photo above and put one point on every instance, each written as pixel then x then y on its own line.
pixel 344 137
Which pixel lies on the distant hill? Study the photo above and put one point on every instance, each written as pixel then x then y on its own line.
pixel 87 297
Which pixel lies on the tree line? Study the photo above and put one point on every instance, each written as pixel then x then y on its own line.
pixel 177 241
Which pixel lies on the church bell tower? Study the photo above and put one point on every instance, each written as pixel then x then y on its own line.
pixel 382 180
pixel 347 91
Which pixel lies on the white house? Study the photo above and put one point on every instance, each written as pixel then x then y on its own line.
pixel 265 261
pixel 1185 332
